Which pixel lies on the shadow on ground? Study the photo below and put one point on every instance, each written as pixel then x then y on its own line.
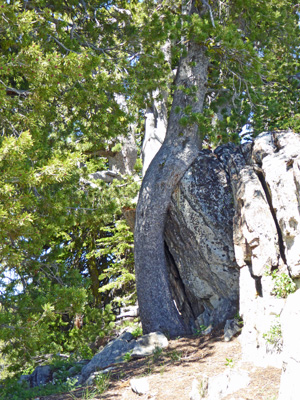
pixel 170 372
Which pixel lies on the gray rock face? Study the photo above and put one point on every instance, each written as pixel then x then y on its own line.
pixel 265 236
pixel 279 155
pixel 111 354
pixel 234 216
pixel 231 328
pixel 290 325
pixel 200 249
pixel 115 351
pixel 40 376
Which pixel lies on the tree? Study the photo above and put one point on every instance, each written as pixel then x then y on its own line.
pixel 63 234
pixel 75 80
pixel 231 73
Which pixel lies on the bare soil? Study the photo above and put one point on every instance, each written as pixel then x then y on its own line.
pixel 171 373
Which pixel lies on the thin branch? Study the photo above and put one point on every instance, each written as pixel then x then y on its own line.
pixel 16 133
pixel 84 5
pixel 62 45
pixel 72 31
pixel 12 91
pixel 82 208
pixel 51 274
pixel 210 12
pixel 217 90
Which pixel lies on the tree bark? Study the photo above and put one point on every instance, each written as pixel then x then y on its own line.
pixel 180 148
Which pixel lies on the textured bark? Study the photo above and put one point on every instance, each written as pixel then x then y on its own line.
pixel 179 150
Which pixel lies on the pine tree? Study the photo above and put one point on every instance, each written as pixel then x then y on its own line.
pixel 75 80
pixel 67 155
pixel 237 67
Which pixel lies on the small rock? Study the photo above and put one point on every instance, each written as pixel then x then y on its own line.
pixel 91 379
pixel 146 345
pixel 126 336
pixel 140 385
pixel 207 331
pixel 40 376
pixel 111 354
pixel 231 328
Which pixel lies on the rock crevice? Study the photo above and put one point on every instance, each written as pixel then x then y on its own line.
pixel 199 238
pixel 260 174
pixel 234 216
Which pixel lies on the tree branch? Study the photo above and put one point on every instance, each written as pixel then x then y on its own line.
pixel 62 45
pixel 15 92
pixel 210 12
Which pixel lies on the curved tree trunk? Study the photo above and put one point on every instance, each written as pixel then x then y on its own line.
pixel 179 150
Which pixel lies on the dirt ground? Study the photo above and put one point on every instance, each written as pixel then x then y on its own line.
pixel 171 373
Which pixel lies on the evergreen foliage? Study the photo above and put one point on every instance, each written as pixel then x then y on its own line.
pixel 65 247
pixel 62 237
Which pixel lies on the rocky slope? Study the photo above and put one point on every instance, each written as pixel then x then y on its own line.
pixel 232 241
pixel 171 374
pixel 232 244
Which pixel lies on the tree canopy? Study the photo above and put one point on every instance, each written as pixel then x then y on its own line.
pixel 75 80
pixel 63 236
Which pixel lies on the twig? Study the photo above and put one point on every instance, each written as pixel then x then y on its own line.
pixel 62 45
pixel 82 208
pixel 210 12
pixel 16 91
